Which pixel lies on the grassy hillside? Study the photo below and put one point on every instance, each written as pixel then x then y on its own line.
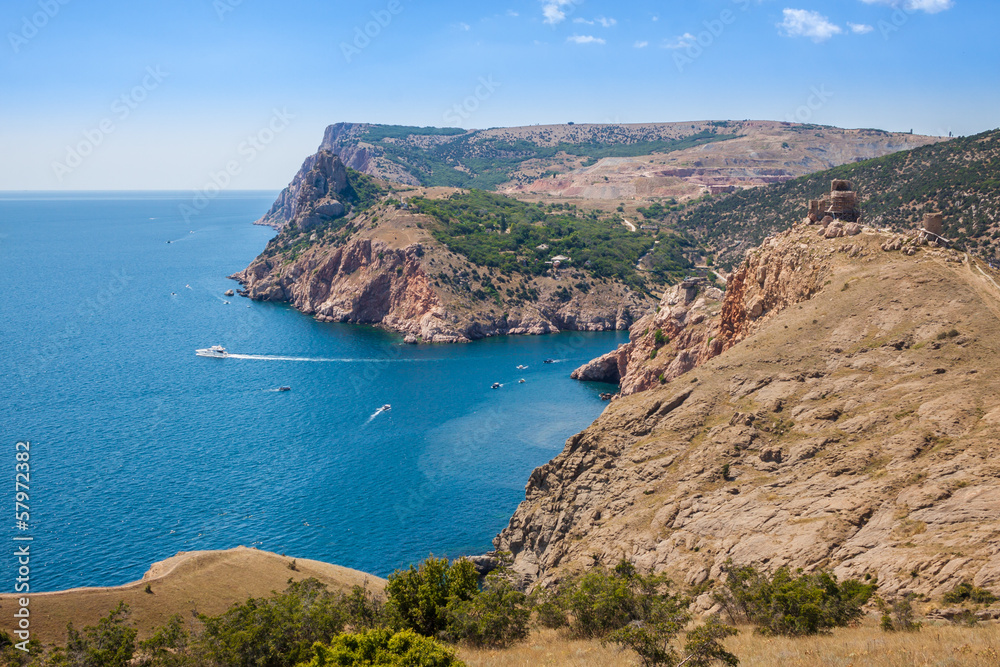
pixel 499 232
pixel 960 178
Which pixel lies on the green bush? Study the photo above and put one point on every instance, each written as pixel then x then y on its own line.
pixel 966 592
pixel 274 632
pixel 418 597
pixel 111 643
pixel 496 617
pixel 602 601
pixel 548 608
pixel 660 339
pixel 787 604
pixel 383 648
pixel 898 616
pixel 640 612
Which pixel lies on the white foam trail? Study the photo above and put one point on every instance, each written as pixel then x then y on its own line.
pixel 374 415
pixel 268 357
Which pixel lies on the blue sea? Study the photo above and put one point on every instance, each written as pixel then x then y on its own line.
pixel 140 449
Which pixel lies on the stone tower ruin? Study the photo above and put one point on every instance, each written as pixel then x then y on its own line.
pixel 934 223
pixel 840 204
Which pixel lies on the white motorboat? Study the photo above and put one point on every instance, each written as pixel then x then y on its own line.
pixel 216 351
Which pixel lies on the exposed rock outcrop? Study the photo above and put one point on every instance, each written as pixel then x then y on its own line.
pixel 312 196
pixel 696 322
pixel 382 267
pixel 855 436
pixel 363 281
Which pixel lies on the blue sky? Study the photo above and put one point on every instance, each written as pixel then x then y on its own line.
pixel 108 94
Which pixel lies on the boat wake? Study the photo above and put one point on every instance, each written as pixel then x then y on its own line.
pixel 376 414
pixel 329 360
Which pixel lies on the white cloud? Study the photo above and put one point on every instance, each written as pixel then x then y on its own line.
pixel 860 28
pixel 805 23
pixel 512 13
pixel 463 26
pixel 929 6
pixel 604 22
pixel 682 42
pixel 585 39
pixel 641 45
pixel 553 12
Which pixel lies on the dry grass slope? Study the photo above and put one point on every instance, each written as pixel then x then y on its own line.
pixel 865 646
pixel 206 581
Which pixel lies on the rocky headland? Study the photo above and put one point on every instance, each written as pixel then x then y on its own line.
pixel 382 266
pixel 840 410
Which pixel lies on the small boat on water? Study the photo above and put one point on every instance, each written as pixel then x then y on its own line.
pixel 385 408
pixel 216 352
pixel 521 381
pixel 496 385
pixel 284 388
pixel 521 367
pixel 549 361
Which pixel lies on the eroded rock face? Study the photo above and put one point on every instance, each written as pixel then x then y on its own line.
pixel 363 281
pixel 844 444
pixel 693 325
pixel 313 195
pixel 370 281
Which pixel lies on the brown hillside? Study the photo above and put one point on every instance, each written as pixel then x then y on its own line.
pixel 857 417
pixel 208 582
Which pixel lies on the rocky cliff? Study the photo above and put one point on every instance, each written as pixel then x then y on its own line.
pixel 850 420
pixel 313 196
pixel 380 265
pixel 694 323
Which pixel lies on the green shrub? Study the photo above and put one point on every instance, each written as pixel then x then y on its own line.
pixel 418 597
pixel 111 643
pixel 168 647
pixel 660 339
pixel 898 616
pixel 383 648
pixel 496 617
pixel 274 632
pixel 602 601
pixel 548 608
pixel 640 612
pixel 787 604
pixel 966 592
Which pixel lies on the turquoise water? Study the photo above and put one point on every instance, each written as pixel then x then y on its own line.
pixel 140 449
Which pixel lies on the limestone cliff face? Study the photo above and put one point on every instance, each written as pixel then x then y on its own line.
pixel 372 281
pixel 364 281
pixel 851 422
pixel 695 322
pixel 312 196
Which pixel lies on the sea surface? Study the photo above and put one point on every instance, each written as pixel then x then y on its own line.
pixel 140 449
